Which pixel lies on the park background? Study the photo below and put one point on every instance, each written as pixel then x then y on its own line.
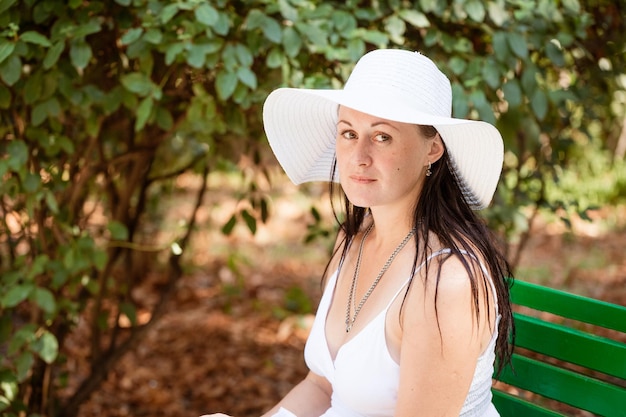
pixel 154 260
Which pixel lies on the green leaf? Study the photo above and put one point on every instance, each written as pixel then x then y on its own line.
pixel 11 70
pixel 429 5
pixel 572 6
pixel 222 26
pixel 16 295
pixel 255 18
pixel 356 49
pixel 265 213
pixel 555 54
pixel 499 44
pixel 138 83
pixel 475 10
pixel 343 21
pixel 35 38
pixel 23 364
pixel 480 103
pixel 247 76
pixel 23 336
pixel 129 310
pixel 112 100
pixel 497 13
pixel 272 30
pixel 375 37
pixel 460 106
pixel 274 58
pixel 51 202
pixel 491 74
pixel 100 258
pixel 38 114
pixel 53 54
pixel 6 326
pixel 47 347
pixel 50 108
pixel 225 84
pixel 44 299
pixel 117 230
pixel 5 97
pixel 18 154
pixel 131 36
pixel 228 227
pixel 196 55
pixel 124 3
pixel 292 42
pixel 168 12
pixel 33 87
pixel 529 80
pixel 462 45
pixel 244 56
pixel 287 10
pixel 457 65
pixel 153 36
pixel 172 51
pixel 86 29
pixel 80 54
pixel 415 18
pixel 539 104
pixel 164 118
pixel 395 27
pixel 206 14
pixel 512 93
pixel 517 43
pixel 143 113
pixel 6 49
pixel 31 182
pixel 38 266
pixel 250 220
pixel 6 5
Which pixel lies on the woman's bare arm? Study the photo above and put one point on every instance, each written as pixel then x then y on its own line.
pixel 310 398
pixel 439 349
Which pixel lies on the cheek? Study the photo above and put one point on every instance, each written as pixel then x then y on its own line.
pixel 340 152
pixel 408 163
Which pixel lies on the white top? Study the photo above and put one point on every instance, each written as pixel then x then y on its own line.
pixel 364 376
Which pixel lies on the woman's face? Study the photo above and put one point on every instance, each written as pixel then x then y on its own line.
pixel 381 162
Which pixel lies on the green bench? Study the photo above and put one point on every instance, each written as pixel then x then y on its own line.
pixel 570 355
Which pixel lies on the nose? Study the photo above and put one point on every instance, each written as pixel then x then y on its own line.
pixel 362 153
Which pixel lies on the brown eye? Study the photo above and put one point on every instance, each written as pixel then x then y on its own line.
pixel 348 134
pixel 382 137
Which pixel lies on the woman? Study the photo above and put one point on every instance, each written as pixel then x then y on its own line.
pixel 416 302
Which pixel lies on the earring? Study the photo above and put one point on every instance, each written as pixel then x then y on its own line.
pixel 428 171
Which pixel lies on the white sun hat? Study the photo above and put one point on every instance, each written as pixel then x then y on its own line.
pixel 392 84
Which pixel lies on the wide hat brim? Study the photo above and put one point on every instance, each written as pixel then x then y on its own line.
pixel 301 126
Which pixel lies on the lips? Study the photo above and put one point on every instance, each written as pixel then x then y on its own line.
pixel 361 179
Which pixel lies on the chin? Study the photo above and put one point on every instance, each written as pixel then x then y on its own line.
pixel 361 198
pixel 361 202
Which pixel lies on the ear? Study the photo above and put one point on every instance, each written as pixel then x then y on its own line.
pixel 436 148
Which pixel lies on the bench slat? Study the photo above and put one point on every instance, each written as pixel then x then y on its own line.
pixel 566 386
pixel 574 346
pixel 510 405
pixel 585 309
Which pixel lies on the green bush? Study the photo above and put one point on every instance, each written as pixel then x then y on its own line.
pixel 103 104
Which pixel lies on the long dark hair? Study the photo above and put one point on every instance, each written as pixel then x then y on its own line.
pixel 441 209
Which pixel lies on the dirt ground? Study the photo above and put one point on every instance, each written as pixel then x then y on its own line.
pixel 232 339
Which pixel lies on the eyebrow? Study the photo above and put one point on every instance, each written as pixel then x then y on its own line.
pixel 377 123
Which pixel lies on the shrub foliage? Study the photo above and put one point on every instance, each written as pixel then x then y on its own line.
pixel 104 104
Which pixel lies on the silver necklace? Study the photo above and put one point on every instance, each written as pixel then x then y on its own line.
pixel 355 278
